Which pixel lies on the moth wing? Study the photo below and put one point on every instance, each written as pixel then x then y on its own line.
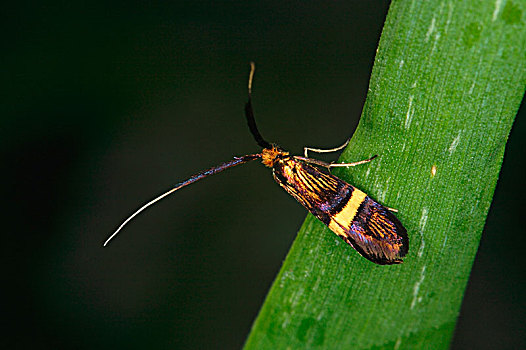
pixel 366 225
pixel 374 232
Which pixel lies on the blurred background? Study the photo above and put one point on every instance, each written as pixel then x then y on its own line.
pixel 107 104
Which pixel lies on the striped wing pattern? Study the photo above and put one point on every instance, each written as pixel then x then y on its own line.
pixel 366 225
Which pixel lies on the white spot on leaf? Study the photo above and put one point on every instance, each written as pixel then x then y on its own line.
pixel 422 224
pixel 454 144
pixel 430 30
pixel 409 114
pixel 498 5
pixel 416 288
pixel 471 88
pixel 444 243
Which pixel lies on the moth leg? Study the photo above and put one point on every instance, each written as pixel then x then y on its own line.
pixel 317 150
pixel 392 209
pixel 334 165
pixel 313 161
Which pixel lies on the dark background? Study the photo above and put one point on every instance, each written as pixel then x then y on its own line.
pixel 107 104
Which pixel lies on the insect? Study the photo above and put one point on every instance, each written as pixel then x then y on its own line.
pixel 366 225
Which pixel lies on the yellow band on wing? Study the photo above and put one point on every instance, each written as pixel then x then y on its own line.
pixel 341 221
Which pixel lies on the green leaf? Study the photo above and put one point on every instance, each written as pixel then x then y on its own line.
pixel 447 82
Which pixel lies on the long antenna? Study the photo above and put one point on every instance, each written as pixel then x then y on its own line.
pixel 194 178
pixel 249 112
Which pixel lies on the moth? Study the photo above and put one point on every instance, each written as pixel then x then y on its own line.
pixel 369 227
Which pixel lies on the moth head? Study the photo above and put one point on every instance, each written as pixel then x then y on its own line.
pixel 269 156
